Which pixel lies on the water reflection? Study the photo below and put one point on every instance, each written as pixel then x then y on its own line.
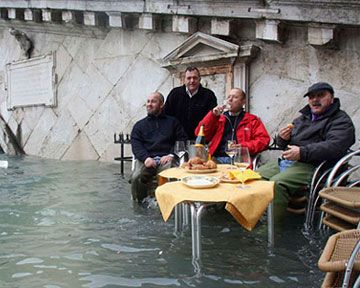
pixel 73 224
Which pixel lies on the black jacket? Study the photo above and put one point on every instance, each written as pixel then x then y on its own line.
pixel 327 138
pixel 189 111
pixel 155 136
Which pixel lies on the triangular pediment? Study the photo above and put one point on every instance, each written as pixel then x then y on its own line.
pixel 201 47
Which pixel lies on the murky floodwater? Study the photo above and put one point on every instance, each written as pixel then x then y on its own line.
pixel 73 224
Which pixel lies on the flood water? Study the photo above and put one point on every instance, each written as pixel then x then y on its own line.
pixel 73 224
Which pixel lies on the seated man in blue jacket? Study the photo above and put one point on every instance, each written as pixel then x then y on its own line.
pixel 322 132
pixel 152 142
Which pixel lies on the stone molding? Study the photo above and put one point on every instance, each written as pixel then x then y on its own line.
pixel 344 12
pixel 200 48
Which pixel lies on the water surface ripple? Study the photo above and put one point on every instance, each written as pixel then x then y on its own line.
pixel 73 224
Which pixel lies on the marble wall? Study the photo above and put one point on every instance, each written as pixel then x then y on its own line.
pixel 102 83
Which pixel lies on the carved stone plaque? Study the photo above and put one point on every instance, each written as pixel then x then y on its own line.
pixel 31 82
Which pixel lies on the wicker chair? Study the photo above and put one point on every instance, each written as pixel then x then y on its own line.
pixel 334 260
pixel 341 208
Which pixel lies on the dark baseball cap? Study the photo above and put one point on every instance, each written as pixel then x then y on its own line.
pixel 319 87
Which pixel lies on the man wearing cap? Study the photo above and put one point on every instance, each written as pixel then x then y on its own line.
pixel 322 132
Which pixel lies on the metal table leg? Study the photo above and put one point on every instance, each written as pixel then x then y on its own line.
pixel 185 214
pixel 196 213
pixel 178 219
pixel 270 220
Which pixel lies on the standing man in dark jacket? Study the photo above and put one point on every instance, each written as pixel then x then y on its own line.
pixel 152 142
pixel 322 132
pixel 191 102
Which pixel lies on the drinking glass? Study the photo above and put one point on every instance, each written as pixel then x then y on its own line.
pixel 242 160
pixel 230 150
pixel 226 106
pixel 179 150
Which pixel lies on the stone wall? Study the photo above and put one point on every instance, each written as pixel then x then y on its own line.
pixel 102 86
pixel 103 79
pixel 282 73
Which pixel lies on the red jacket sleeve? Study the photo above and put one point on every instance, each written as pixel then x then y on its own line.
pixel 253 134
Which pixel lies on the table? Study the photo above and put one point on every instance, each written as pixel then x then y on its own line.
pixel 245 205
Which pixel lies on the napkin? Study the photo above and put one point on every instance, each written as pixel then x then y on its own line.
pixel 243 176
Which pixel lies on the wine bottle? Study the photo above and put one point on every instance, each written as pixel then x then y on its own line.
pixel 200 139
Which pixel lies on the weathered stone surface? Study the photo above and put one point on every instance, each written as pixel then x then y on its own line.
pixel 43 128
pixel 268 30
pixel 81 149
pixel 103 83
pixel 148 22
pixel 46 15
pixel 115 19
pixel 220 27
pixel 12 13
pixel 68 16
pixel 89 18
pixel 63 60
pixel 62 134
pixel 106 121
pixel 28 15
pixel 320 35
pixel 183 24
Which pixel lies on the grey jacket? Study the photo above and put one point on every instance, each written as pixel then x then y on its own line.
pixel 327 138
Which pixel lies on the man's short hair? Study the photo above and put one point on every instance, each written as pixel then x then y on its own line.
pixel 161 96
pixel 192 68
pixel 241 91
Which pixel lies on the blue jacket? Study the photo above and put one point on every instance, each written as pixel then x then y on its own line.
pixel 155 136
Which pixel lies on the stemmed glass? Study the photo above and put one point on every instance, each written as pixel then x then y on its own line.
pixel 226 106
pixel 230 150
pixel 242 160
pixel 179 150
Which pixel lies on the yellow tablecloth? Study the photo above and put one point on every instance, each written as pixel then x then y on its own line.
pixel 179 173
pixel 245 205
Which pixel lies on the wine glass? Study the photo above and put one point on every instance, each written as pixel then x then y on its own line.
pixel 242 158
pixel 230 150
pixel 242 161
pixel 226 106
pixel 179 150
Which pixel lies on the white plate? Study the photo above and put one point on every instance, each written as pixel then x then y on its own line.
pixel 200 181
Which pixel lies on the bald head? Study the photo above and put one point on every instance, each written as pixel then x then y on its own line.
pixel 236 100
pixel 154 103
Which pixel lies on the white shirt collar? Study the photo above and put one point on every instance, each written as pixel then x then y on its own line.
pixel 189 93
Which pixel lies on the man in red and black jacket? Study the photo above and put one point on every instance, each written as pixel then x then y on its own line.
pixel 235 124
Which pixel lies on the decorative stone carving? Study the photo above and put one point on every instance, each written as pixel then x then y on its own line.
pixel 67 16
pixel 148 22
pixel 320 35
pixel 46 15
pixel 28 15
pixel 89 18
pixel 12 13
pixel 25 43
pixel 201 48
pixel 220 27
pixel 184 24
pixel 115 19
pixel 268 30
